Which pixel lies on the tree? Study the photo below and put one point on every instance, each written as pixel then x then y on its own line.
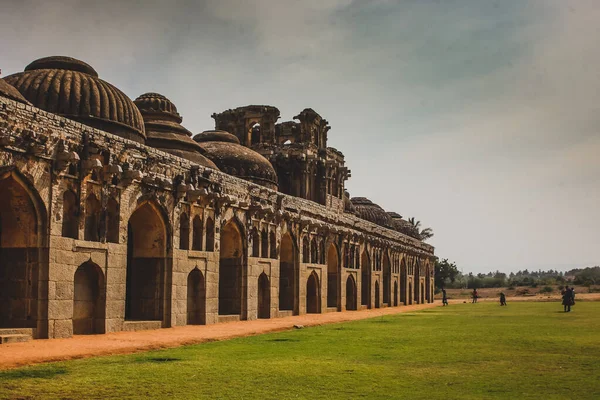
pixel 445 271
pixel 424 234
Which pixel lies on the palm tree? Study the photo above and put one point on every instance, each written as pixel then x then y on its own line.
pixel 424 234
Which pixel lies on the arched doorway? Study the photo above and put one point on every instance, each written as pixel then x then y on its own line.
pixel 395 293
pixel 313 294
pixel 377 305
pixel 403 282
pixel 417 281
pixel 196 298
pixel 146 264
pixel 428 292
pixel 387 278
pixel 22 226
pixel 350 293
pixel 332 276
pixel 287 262
pixel 365 284
pixel 410 293
pixel 230 270
pixel 88 300
pixel 264 297
pixel 422 293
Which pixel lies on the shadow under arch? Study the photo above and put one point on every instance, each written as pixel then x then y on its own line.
pixel 23 253
pixel 148 267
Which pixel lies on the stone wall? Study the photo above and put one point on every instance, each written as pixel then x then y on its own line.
pixel 50 155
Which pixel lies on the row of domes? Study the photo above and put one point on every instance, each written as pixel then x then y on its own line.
pixel 71 88
pixel 367 210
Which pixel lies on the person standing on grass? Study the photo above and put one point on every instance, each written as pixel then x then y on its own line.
pixel 444 298
pixel 474 295
pixel 502 299
pixel 567 299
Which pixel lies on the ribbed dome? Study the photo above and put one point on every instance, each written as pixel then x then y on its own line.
pixel 164 130
pixel 401 225
pixel 234 159
pixel 370 211
pixel 71 88
pixel 9 91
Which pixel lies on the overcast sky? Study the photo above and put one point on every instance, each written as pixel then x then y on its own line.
pixel 480 118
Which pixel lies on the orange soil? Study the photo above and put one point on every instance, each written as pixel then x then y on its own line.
pixel 14 355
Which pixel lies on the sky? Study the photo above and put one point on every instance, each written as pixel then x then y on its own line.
pixel 481 118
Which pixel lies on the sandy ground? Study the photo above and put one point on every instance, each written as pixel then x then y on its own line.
pixel 14 355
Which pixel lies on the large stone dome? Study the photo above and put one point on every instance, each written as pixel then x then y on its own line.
pixel 9 91
pixel 225 150
pixel 71 88
pixel 401 225
pixel 164 130
pixel 370 211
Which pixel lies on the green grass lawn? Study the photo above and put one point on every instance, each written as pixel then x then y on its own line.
pixel 465 351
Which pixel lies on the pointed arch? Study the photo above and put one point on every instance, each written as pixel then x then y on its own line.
pixel 255 237
pixel 93 208
pixel 113 223
pixel 70 214
pixel 314 251
pixel 23 235
pixel 88 300
pixel 264 243
pixel 196 298
pixel 184 231
pixel 305 251
pixel 332 275
pixel 313 294
pixel 387 278
pixel 322 254
pixel 351 293
pixel 197 233
pixel 264 297
pixel 273 245
pixel 287 272
pixel 147 241
pixel 231 266
pixel 395 293
pixel 210 234
pixel 377 304
pixel 365 281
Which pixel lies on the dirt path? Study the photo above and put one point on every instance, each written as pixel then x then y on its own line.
pixel 14 355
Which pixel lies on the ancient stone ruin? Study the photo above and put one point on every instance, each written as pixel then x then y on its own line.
pixel 114 217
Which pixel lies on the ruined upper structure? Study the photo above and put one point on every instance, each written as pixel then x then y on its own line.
pixel 113 218
pixel 298 151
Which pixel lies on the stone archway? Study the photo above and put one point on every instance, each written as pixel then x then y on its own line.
pixel 88 300
pixel 395 293
pixel 403 282
pixel 264 297
pixel 196 298
pixel 332 276
pixel 22 237
pixel 351 293
pixel 387 279
pixel 146 264
pixel 365 284
pixel 410 293
pixel 93 209
pixel 313 294
pixel 231 263
pixel 287 276
pixel 377 304
pixel 422 291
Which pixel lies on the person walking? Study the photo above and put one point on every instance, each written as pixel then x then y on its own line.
pixel 475 296
pixel 502 299
pixel 444 298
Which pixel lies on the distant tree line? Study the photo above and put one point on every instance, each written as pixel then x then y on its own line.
pixel 447 275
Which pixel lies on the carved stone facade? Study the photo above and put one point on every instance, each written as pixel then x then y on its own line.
pixel 99 232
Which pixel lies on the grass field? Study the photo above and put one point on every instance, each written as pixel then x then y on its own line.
pixel 466 351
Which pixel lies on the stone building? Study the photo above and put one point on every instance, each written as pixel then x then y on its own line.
pixel 113 217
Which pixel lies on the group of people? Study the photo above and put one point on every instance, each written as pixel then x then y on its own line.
pixel 568 298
